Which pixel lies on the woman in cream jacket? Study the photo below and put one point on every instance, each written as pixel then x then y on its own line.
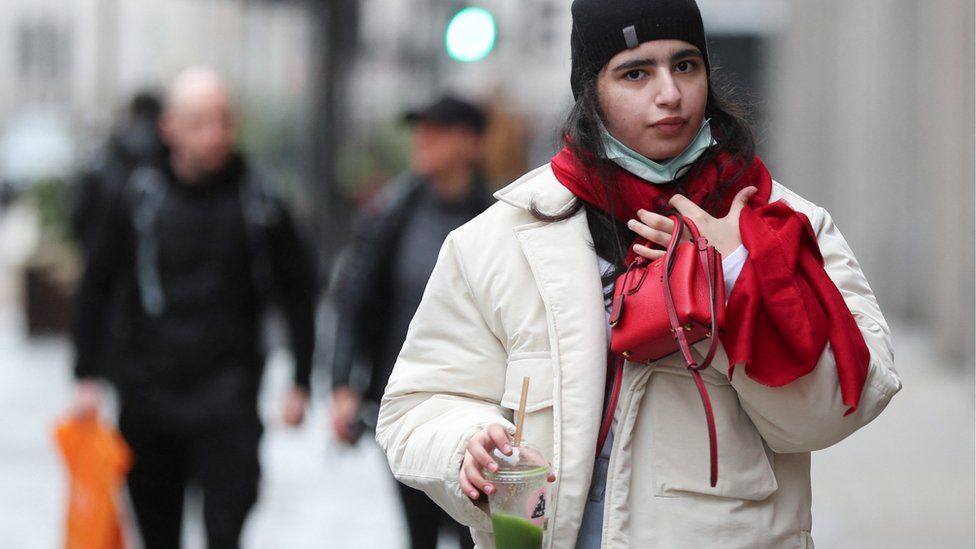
pixel 519 291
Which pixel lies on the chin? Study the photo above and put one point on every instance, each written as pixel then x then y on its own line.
pixel 662 153
pixel 216 164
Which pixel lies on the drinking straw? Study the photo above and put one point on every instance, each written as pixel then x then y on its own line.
pixel 521 411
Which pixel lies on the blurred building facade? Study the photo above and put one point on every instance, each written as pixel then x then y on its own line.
pixel 79 61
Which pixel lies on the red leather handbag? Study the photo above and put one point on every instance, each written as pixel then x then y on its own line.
pixel 664 307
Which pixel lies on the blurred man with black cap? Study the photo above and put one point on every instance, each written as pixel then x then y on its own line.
pixel 394 248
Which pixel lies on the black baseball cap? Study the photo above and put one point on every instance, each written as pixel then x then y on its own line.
pixel 450 111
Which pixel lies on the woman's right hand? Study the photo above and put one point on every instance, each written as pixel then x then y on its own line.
pixel 477 457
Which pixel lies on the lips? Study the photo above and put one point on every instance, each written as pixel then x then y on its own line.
pixel 670 125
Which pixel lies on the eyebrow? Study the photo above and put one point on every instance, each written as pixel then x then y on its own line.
pixel 637 63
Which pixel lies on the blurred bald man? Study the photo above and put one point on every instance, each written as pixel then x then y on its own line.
pixel 195 247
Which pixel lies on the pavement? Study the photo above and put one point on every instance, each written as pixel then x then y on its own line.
pixel 904 481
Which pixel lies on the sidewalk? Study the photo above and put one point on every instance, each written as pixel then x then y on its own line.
pixel 905 481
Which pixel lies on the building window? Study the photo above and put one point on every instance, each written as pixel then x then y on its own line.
pixel 42 53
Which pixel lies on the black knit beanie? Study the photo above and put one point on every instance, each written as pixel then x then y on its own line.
pixel 604 28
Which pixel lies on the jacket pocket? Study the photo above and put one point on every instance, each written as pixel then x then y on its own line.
pixel 680 442
pixel 537 367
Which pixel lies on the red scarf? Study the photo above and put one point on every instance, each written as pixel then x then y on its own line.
pixel 783 308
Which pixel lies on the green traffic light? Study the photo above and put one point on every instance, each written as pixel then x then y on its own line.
pixel 470 35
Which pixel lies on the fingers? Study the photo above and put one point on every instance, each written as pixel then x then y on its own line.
pixel 342 431
pixel 648 253
pixel 477 456
pixel 656 221
pixel 294 409
pixel 686 207
pixel 470 479
pixel 293 417
pixel 85 411
pixel 87 400
pixel 654 228
pixel 466 486
pixel 499 438
pixel 741 200
pixel 345 407
pixel 481 457
pixel 650 234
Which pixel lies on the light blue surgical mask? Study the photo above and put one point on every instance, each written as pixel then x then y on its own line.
pixel 649 170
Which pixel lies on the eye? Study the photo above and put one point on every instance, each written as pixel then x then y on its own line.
pixel 685 66
pixel 634 75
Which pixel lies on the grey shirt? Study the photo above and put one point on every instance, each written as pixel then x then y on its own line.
pixel 419 243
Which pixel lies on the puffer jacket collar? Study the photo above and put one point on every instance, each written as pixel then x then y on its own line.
pixel 539 188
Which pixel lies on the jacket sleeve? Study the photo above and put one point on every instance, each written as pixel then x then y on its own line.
pixel 295 282
pixel 354 297
pixel 446 386
pixel 109 253
pixel 808 414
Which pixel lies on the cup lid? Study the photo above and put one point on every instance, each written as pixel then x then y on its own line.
pixel 525 461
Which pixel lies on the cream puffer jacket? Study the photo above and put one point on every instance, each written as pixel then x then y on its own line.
pixel 512 296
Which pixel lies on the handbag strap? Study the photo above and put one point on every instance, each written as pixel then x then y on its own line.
pixel 678 331
pixel 711 274
pixel 618 374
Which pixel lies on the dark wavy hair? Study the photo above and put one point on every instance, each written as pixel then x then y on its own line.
pixel 582 133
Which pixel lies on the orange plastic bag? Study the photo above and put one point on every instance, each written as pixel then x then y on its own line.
pixel 97 459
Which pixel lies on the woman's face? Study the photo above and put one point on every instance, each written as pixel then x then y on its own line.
pixel 653 97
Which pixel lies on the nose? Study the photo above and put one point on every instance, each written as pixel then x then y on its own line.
pixel 667 94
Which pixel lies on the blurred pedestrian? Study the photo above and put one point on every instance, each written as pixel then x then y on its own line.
pixel 195 246
pixel 136 141
pixel 394 248
pixel 523 290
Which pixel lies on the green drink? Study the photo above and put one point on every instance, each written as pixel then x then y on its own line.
pixel 513 532
pixel 518 503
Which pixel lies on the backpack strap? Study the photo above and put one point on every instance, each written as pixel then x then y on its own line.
pixel 150 193
pixel 261 212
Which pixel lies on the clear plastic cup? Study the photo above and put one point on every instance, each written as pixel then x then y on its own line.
pixel 518 503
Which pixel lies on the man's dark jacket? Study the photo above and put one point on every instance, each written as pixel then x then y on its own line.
pixel 195 355
pixel 363 291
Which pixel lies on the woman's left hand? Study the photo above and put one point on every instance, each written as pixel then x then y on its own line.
pixel 723 233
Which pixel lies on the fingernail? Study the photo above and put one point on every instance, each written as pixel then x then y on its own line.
pixel 493 466
pixel 489 488
pixel 631 222
pixel 507 449
pixel 473 494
